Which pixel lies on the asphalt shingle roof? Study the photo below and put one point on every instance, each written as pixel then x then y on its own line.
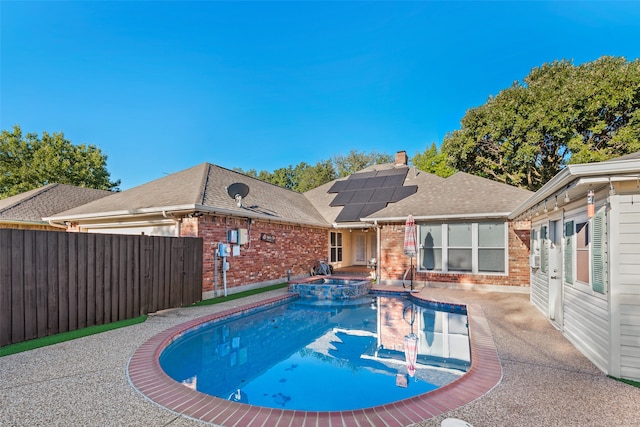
pixel 458 195
pixel 45 201
pixel 205 187
pixel 326 204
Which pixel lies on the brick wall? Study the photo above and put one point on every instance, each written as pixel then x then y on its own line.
pixel 295 248
pixel 394 262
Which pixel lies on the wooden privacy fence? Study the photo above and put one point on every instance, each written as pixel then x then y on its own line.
pixel 53 282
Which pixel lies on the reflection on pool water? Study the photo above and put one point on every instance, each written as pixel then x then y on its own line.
pixel 324 356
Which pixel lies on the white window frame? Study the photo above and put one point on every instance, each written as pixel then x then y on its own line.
pixel 587 287
pixel 338 246
pixel 474 251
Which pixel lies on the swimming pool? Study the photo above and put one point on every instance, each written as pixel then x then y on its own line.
pixel 148 378
pixel 316 356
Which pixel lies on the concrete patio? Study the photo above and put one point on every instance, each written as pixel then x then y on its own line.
pixel 546 381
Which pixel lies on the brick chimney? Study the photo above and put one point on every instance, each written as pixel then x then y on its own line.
pixel 401 158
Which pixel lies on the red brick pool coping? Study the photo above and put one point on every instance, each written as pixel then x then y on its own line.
pixel 146 375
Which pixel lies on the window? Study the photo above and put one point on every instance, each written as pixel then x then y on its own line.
pixel 431 247
pixel 582 252
pixel 459 247
pixel 543 249
pixel 568 251
pixel 336 247
pixel 585 252
pixel 491 247
pixel 463 247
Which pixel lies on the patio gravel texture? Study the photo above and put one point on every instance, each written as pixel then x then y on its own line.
pixel 546 381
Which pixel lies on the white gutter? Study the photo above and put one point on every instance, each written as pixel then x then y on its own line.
pixel 353 225
pixel 63 226
pixel 438 217
pixel 167 211
pixel 567 177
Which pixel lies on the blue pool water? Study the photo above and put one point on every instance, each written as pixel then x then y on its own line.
pixel 324 356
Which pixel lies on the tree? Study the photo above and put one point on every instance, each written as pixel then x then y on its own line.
pixel 559 114
pixel 309 177
pixel 28 162
pixel 433 161
pixel 355 161
pixel 304 177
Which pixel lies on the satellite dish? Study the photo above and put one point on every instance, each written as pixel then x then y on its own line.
pixel 238 191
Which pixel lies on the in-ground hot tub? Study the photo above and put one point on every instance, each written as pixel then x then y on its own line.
pixel 331 287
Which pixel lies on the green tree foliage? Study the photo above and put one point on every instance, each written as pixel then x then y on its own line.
pixel 357 160
pixel 559 114
pixel 304 177
pixel 433 161
pixel 28 162
pixel 310 177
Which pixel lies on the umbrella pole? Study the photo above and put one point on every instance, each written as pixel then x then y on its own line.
pixel 411 267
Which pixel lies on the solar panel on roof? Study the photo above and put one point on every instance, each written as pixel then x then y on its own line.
pixel 382 195
pixel 402 192
pixel 356 184
pixel 393 181
pixel 375 182
pixel 371 208
pixel 343 198
pixel 362 196
pixel 350 213
pixel 338 186
pixel 390 172
pixel 361 175
pixel 365 193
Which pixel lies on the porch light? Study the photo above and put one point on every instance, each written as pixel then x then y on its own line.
pixel 545 210
pixel 555 207
pixel 612 191
pixel 566 196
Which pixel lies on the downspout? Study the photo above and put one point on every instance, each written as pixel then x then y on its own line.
pixel 178 221
pixel 377 251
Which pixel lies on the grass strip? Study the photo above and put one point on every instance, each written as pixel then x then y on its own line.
pixel 91 330
pixel 240 295
pixel 67 336
pixel 630 382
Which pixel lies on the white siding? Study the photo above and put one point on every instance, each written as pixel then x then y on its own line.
pixel 538 281
pixel 540 291
pixel 586 324
pixel 157 230
pixel 586 313
pixel 625 287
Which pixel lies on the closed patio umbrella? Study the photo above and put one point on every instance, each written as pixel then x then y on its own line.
pixel 411 353
pixel 410 242
pixel 410 341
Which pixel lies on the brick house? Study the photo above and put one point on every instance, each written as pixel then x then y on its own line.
pixel 274 233
pixel 465 238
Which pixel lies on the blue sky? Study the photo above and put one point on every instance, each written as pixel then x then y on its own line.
pixel 163 86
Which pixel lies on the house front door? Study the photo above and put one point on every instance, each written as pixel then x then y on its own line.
pixel 360 248
pixel 555 273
